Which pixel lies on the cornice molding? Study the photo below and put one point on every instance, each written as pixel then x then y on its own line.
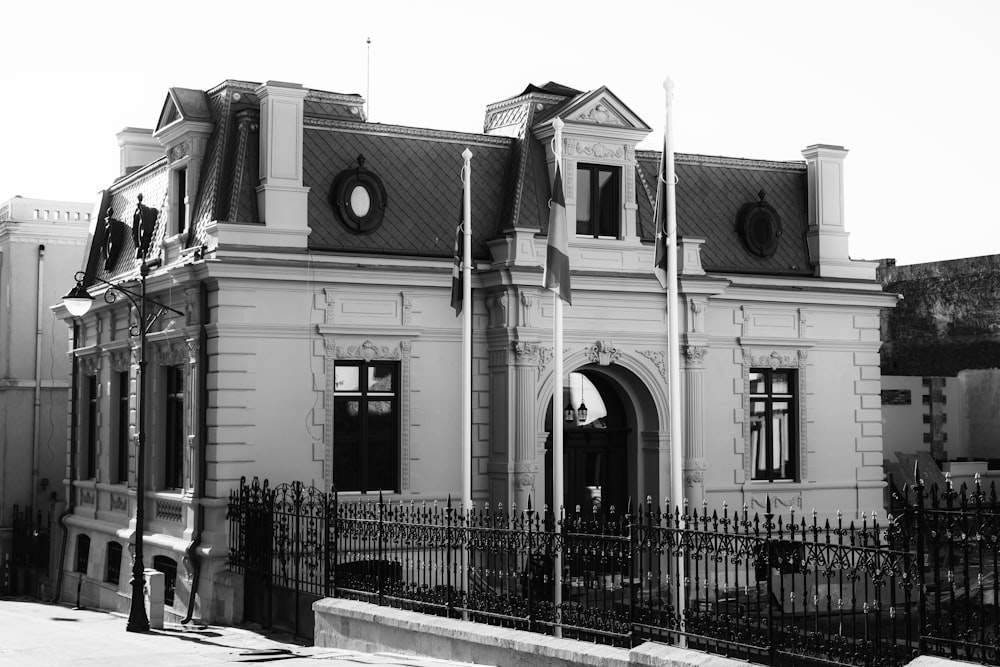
pixel 312 123
pixel 720 161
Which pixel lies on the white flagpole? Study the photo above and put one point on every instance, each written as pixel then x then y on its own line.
pixel 466 361
pixel 467 331
pixel 557 409
pixel 673 340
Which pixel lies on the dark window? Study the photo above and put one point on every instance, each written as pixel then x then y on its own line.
pixel 122 421
pixel 773 420
pixel 173 451
pixel 168 566
pixel 598 201
pixel 366 426
pixel 90 465
pixel 82 553
pixel 180 181
pixel 113 567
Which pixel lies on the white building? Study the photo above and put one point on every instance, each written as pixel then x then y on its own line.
pixel 311 253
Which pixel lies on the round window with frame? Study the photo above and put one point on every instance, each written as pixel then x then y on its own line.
pixel 759 227
pixel 359 199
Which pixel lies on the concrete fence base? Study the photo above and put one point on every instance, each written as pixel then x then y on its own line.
pixel 361 626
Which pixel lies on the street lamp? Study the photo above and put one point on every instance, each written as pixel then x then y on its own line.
pixel 78 303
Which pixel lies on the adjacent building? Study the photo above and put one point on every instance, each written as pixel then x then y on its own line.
pixel 311 254
pixel 41 242
pixel 941 368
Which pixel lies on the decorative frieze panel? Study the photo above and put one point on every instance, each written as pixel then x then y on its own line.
pixel 121 361
pixel 602 151
pixel 599 114
pixel 603 353
pixel 90 365
pixel 527 309
pixel 367 351
pixel 771 322
pixel 191 308
pixel 658 358
pixel 525 353
pixel 778 501
pixel 172 355
pixel 545 355
pixel 694 355
pixel 496 307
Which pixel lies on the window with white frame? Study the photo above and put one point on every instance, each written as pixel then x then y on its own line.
pixel 121 438
pixel 366 426
pixel 180 200
pixel 92 403
pixel 773 424
pixel 173 433
pixel 598 201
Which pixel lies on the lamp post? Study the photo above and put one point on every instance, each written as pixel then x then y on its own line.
pixel 78 303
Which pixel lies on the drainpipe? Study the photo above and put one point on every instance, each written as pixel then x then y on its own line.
pixel 36 437
pixel 199 484
pixel 70 496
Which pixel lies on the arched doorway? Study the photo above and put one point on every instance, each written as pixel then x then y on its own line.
pixel 598 455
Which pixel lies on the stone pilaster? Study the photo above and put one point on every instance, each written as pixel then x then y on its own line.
pixel 694 422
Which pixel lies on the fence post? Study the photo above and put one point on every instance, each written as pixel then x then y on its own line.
pixel 921 585
pixel 530 578
pixel 447 551
pixel 380 537
pixel 631 570
pixel 330 549
pixel 296 547
pixel 772 650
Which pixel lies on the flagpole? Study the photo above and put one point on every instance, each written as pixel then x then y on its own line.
pixel 467 330
pixel 557 407
pixel 673 340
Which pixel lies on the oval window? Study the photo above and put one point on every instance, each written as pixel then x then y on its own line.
pixel 359 198
pixel 759 227
pixel 361 201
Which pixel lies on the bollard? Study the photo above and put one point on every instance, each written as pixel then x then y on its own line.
pixel 153 596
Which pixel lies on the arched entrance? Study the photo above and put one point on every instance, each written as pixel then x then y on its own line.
pixel 599 447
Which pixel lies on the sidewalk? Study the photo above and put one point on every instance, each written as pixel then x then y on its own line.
pixel 36 634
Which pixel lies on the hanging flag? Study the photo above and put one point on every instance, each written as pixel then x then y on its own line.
pixel 557 252
pixel 660 216
pixel 456 274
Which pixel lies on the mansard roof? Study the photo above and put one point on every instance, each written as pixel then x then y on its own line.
pixel 420 169
pixel 710 193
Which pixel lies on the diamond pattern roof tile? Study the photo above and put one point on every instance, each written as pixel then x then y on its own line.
pixel 423 187
pixel 710 193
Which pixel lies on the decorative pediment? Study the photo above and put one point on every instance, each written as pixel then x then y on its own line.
pixel 603 108
pixel 183 104
pixel 601 113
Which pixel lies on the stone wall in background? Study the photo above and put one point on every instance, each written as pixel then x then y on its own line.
pixel 948 319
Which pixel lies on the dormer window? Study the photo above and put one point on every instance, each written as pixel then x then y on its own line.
pixel 179 197
pixel 598 201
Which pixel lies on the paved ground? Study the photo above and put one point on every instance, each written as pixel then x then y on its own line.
pixel 36 634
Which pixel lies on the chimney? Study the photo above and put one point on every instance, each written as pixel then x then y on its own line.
pixel 137 149
pixel 281 197
pixel 827 236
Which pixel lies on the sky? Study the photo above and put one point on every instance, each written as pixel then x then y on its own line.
pixel 910 88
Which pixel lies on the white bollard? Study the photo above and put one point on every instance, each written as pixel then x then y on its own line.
pixel 153 595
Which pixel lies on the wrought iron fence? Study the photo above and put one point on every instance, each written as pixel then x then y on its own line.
pixel 757 586
pixel 956 535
